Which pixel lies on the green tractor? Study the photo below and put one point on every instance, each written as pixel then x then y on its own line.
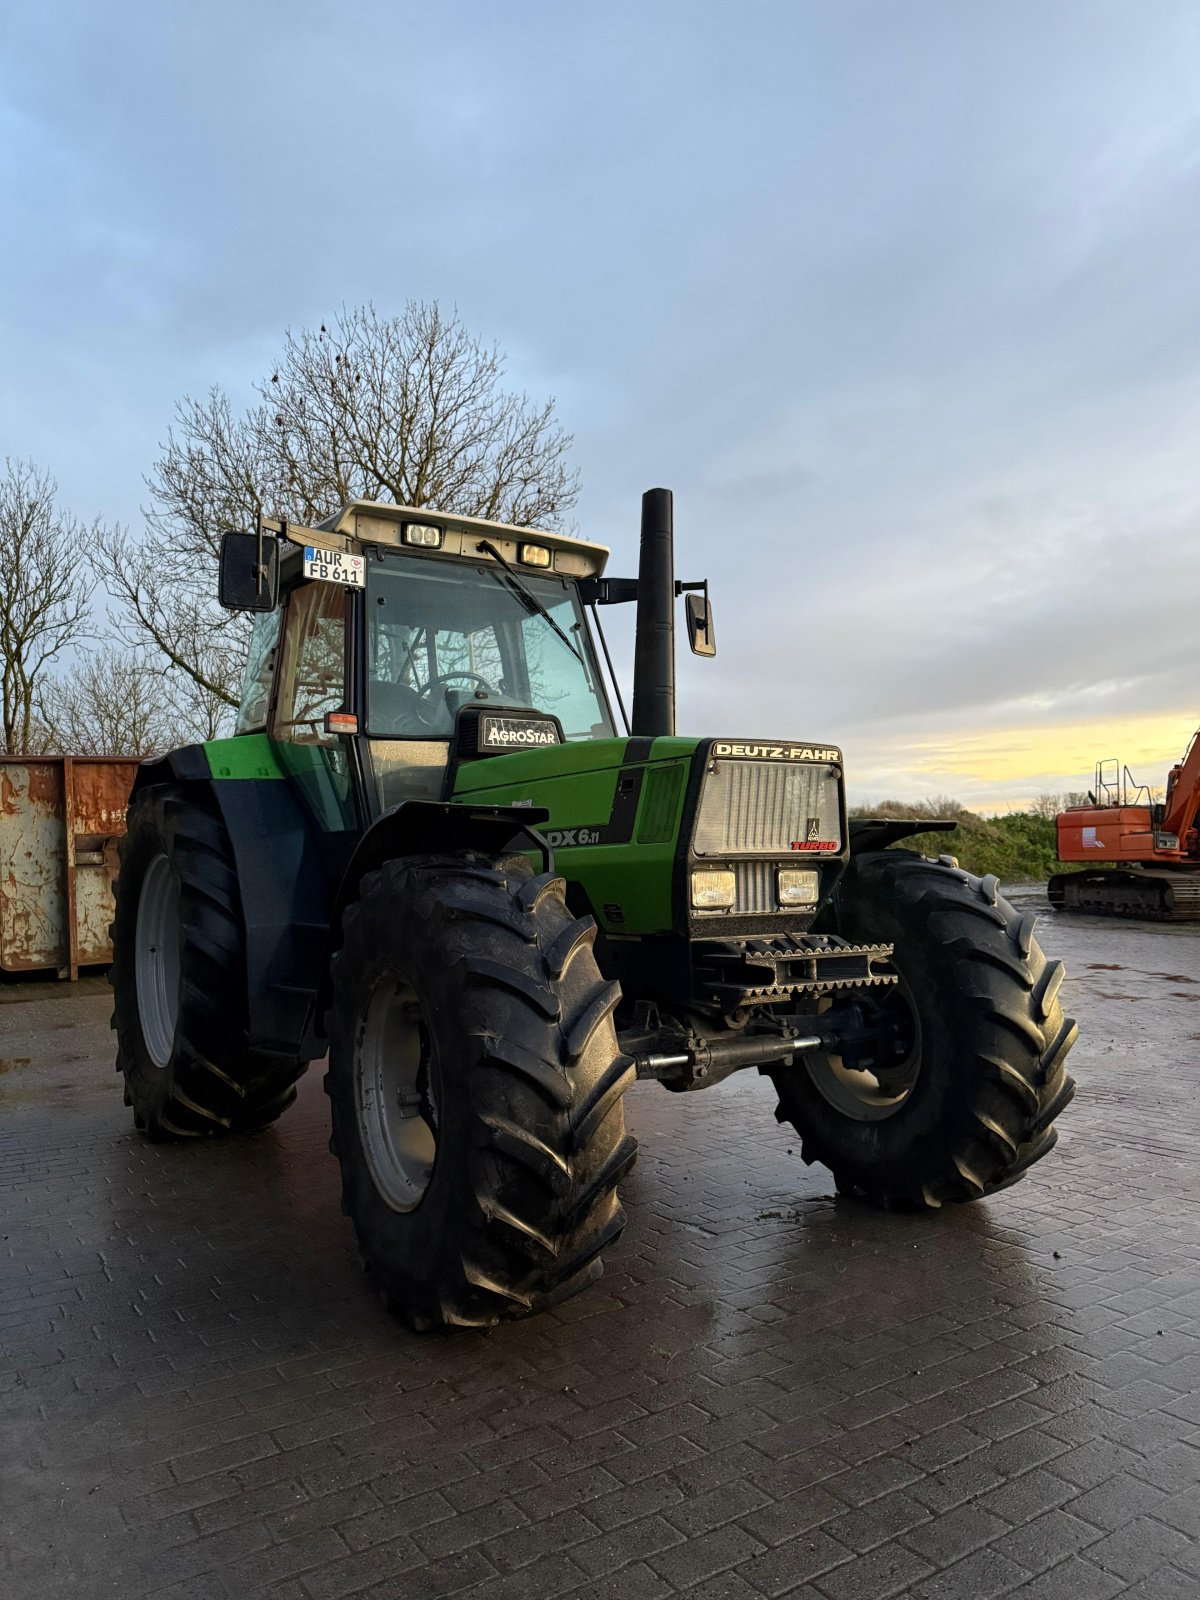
pixel 429 852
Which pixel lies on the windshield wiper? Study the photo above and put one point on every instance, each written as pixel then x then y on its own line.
pixel 530 601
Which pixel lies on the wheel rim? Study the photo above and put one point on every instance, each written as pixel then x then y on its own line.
pixel 156 944
pixel 397 1113
pixel 878 1079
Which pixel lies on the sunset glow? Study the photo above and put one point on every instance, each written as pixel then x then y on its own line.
pixel 1004 769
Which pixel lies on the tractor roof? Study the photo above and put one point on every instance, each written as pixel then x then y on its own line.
pixel 377 522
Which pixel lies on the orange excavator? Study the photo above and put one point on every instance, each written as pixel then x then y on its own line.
pixel 1154 848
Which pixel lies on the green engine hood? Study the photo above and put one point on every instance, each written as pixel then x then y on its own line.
pixel 615 813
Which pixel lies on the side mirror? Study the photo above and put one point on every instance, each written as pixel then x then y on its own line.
pixel 249 581
pixel 702 635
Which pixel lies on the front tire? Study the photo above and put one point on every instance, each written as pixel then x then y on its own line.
pixel 475 1082
pixel 179 979
pixel 963 1093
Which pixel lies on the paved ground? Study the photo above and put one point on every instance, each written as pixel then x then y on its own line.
pixel 769 1393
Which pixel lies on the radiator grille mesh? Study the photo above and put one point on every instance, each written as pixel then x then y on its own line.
pixel 762 807
pixel 756 887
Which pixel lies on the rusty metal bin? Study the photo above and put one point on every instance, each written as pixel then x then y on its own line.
pixel 60 819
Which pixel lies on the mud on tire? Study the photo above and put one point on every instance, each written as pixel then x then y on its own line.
pixel 476 975
pixel 991 1041
pixel 194 1073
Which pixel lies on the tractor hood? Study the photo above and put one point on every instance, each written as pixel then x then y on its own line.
pixel 546 762
pixel 634 821
pixel 615 817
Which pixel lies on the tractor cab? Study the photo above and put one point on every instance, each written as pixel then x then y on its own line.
pixel 399 634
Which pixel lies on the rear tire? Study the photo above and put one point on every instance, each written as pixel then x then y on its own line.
pixel 475 1082
pixel 179 979
pixel 971 1106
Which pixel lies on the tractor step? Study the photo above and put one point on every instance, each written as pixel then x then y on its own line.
pixel 769 971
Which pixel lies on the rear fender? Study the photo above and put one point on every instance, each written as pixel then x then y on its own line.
pixel 188 765
pixel 284 886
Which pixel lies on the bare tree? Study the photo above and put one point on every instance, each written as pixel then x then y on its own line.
pixel 1047 806
pixel 411 409
pixel 43 593
pixel 110 703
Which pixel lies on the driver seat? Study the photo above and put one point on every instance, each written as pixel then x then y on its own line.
pixel 394 708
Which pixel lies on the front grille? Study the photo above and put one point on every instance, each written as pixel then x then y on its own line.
pixel 756 887
pixel 768 808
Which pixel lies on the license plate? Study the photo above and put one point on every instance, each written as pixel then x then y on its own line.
pixel 335 566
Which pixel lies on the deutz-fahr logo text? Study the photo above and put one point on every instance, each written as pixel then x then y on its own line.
pixel 508 733
pixel 778 752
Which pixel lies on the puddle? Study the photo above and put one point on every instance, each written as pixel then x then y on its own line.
pixel 1142 972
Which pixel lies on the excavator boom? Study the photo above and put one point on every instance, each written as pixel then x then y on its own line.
pixel 1182 808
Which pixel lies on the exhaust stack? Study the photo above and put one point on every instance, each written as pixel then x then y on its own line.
pixel 654 650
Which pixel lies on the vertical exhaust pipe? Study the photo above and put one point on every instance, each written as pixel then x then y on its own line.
pixel 654 650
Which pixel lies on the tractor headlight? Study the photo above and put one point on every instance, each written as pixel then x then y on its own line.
pixel 798 887
pixel 423 534
pixel 534 555
pixel 713 891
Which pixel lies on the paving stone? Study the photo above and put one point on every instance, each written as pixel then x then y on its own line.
pixel 201 1400
pixel 982 1575
pixel 1168 1583
pixel 786 1567
pixel 450 1534
pixel 633 1541
pixel 1027 1496
pixel 700 1557
pixel 1117 1501
pixel 1171 1470
pixel 633 1582
pixel 887 1570
pixel 954 1535
pixel 1140 1548
pixel 780 1520
pixel 1073 1579
pixel 878 1521
pixel 1182 1511
pixel 630 1501
pixel 1043 1542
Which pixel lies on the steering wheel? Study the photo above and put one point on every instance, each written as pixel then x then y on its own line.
pixel 445 677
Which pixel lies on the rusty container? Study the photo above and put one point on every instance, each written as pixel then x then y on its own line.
pixel 60 820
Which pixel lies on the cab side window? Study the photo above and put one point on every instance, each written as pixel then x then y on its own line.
pixel 255 699
pixel 313 676
pixel 312 681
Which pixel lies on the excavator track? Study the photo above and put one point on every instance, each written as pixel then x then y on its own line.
pixel 1152 896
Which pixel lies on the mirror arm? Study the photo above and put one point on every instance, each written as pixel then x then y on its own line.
pixel 607 591
pixel 279 527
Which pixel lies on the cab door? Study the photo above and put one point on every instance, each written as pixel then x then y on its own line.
pixel 311 681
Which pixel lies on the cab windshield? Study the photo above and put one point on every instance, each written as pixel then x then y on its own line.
pixel 446 634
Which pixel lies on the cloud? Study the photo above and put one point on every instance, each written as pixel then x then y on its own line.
pixel 900 300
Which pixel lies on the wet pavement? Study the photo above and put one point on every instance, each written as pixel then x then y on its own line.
pixel 770 1392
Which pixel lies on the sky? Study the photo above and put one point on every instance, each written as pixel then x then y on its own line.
pixel 900 297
